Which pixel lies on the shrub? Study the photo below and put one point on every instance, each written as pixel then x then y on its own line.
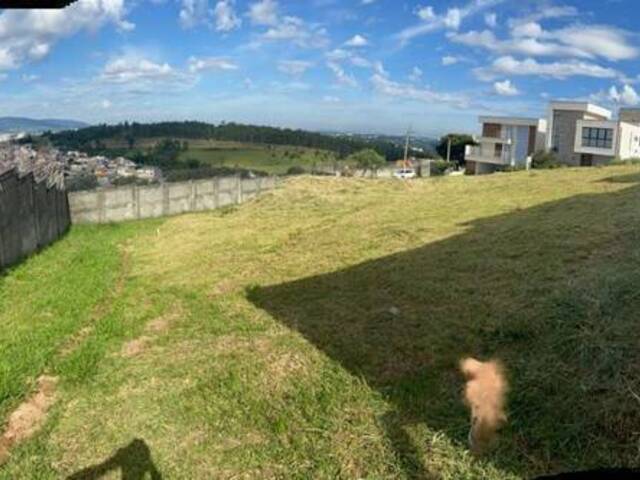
pixel 628 161
pixel 543 159
pixel 440 167
pixel 296 170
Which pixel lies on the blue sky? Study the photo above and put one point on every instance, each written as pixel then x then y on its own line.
pixel 357 65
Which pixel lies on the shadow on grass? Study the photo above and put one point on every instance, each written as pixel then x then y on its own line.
pixel 133 461
pixel 551 290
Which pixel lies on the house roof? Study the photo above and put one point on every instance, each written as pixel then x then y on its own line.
pixel 519 121
pixel 581 107
pixel 43 168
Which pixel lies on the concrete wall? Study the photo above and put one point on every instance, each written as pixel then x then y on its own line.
pixel 132 202
pixel 563 135
pixel 629 144
pixel 32 216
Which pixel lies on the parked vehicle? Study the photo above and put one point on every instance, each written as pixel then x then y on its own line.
pixel 405 173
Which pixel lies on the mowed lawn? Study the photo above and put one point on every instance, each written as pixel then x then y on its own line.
pixel 315 332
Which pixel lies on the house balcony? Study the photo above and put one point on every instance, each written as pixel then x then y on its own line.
pixel 494 140
pixel 488 153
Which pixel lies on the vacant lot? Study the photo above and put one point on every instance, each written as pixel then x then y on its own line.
pixel 315 332
pixel 272 159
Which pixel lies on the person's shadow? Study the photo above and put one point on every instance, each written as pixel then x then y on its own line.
pixel 134 462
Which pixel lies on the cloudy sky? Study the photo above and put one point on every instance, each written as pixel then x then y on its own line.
pixel 359 65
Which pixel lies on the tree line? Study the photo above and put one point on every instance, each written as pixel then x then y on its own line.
pixel 91 139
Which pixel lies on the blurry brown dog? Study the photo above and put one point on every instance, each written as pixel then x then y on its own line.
pixel 485 395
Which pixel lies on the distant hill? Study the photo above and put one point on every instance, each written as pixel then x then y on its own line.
pixel 31 125
pixel 94 139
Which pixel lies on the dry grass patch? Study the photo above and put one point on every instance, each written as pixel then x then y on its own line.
pixel 29 417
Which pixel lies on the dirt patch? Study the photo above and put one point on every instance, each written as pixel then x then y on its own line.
pixel 29 417
pixel 135 347
pixel 75 341
pixel 282 367
pixel 159 325
pixel 223 288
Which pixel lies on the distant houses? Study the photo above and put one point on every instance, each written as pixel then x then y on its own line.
pixel 577 133
pixel 72 165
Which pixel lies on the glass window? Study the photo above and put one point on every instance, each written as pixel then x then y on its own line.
pixel 597 137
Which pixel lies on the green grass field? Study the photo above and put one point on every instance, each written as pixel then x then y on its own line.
pixel 316 331
pixel 272 159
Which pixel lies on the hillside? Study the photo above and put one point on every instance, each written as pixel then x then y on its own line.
pixel 96 139
pixel 31 125
pixel 316 332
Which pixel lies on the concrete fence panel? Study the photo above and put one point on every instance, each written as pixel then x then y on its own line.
pixel 131 202
pixel 32 216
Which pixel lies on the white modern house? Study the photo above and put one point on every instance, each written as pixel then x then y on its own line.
pixel 579 133
pixel 505 142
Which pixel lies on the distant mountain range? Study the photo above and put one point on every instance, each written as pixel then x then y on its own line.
pixel 31 125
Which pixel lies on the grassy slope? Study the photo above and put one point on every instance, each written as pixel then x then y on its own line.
pixel 283 359
pixel 271 159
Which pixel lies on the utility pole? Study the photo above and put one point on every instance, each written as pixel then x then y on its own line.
pixel 448 148
pixel 406 148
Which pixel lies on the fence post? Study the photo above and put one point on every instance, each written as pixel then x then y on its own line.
pixel 192 198
pixel 165 199
pixel 100 205
pixel 215 182
pixel 239 190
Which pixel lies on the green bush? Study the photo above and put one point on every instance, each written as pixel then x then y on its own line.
pixel 440 167
pixel 296 170
pixel 628 161
pixel 542 160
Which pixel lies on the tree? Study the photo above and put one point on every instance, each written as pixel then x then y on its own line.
pixel 458 144
pixel 367 160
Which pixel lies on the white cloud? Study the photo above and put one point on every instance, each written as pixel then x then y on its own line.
pixel 505 89
pixel 193 12
pixel 529 38
pixel 416 74
pixel 357 41
pixel 449 60
pixel 225 16
pixel 28 78
pixel 451 19
pixel 342 77
pixel 294 67
pixel 211 63
pixel 627 97
pixel 385 86
pixel 426 13
pixel 331 99
pixel 106 104
pixel 368 2
pixel 264 12
pixel 342 55
pixel 131 68
pixel 510 66
pixel 29 35
pixel 297 31
pixel 491 20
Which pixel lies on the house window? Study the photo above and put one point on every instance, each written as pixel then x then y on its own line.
pixel 597 137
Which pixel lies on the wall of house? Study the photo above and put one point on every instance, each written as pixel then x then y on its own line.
pixel 32 216
pixel 133 202
pixel 563 136
pixel 630 115
pixel 629 146
pixel 521 145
